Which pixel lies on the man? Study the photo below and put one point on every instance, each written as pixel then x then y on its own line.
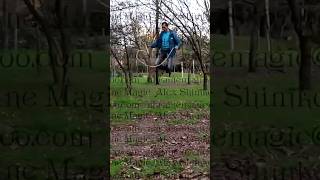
pixel 168 42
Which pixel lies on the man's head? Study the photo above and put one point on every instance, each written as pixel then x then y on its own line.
pixel 165 26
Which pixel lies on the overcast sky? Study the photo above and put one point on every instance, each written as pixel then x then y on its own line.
pixel 195 8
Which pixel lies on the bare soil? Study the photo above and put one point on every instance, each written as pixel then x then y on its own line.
pixel 171 137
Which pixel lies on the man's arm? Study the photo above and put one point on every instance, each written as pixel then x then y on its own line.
pixel 157 43
pixel 177 40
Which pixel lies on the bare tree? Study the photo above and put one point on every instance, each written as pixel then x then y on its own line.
pixel 254 36
pixel 231 24
pixel 142 40
pixel 267 9
pixel 122 36
pixel 191 27
pixel 15 26
pixel 187 58
pixel 157 3
pixel 5 36
pixel 49 17
pixel 125 68
pixel 142 31
pixel 303 25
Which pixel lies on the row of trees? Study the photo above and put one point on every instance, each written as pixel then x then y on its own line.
pixel 51 18
pixel 304 24
pixel 19 28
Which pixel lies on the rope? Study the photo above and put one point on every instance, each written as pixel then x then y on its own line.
pixel 142 62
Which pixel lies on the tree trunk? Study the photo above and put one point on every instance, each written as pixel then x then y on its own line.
pixel 130 80
pixel 231 28
pixel 157 35
pixel 5 25
pixel 157 75
pixel 193 68
pixel 205 81
pixel 149 79
pixel 48 34
pixel 63 46
pixel 182 70
pixel 254 39
pixel 157 16
pixel 15 26
pixel 297 17
pixel 16 31
pixel 37 35
pixel 189 75
pixel 203 70
pixel 268 24
pixel 128 73
pixel 85 22
pixel 128 83
pixel 305 64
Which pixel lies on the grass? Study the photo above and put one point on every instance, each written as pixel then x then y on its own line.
pixel 242 131
pixel 222 42
pixel 116 167
pixel 199 163
pixel 143 168
pixel 172 97
pixel 232 119
pixel 149 94
pixel 42 133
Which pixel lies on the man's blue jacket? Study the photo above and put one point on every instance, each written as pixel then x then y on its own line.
pixel 174 42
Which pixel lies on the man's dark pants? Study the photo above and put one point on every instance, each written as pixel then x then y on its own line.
pixel 162 56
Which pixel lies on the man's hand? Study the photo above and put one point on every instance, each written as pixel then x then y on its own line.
pixel 176 47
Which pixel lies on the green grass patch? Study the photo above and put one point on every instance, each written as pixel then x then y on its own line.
pixel 146 168
pixel 38 133
pixel 198 162
pixel 145 96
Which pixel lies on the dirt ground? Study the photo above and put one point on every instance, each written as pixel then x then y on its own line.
pixel 171 137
